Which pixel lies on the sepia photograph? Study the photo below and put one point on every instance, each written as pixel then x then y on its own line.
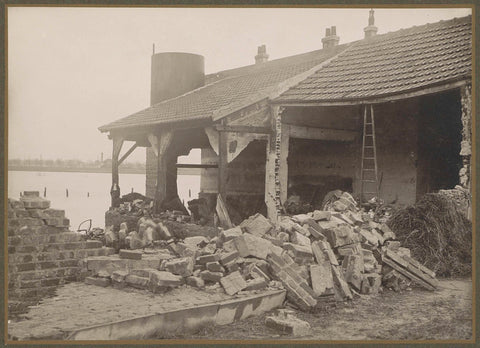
pixel 211 174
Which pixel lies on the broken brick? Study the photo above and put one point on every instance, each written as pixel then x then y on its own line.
pixel 288 325
pixel 98 281
pixel 182 266
pixel 233 283
pixel 256 284
pixel 202 260
pixel 250 245
pixel 257 225
pixel 196 282
pixel 230 234
pixel 214 267
pixel 353 266
pixel 130 254
pixel 136 281
pixel 322 279
pixel 211 276
pixel 228 257
pixel 342 290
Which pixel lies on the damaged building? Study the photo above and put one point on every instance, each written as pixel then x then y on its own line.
pixel 388 116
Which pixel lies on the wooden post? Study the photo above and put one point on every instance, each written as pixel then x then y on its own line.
pixel 164 138
pixel 115 189
pixel 222 165
pixel 466 144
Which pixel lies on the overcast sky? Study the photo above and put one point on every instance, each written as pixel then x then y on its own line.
pixel 71 70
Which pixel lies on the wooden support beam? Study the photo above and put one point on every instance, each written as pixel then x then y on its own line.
pixel 243 129
pixel 201 166
pixel 303 132
pixel 134 146
pixel 164 139
pixel 222 165
pixel 115 189
pixel 283 162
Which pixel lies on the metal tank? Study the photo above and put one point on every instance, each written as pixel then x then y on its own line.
pixel 175 73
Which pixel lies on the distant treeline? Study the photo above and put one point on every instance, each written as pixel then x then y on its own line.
pixel 71 164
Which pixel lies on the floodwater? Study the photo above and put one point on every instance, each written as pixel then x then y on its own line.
pixel 88 193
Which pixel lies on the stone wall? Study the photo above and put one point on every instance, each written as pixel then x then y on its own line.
pixel 42 252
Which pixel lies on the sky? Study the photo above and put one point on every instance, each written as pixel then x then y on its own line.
pixel 71 70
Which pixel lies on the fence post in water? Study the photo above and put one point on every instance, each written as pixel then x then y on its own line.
pixel 44 192
pixel 189 193
pixel 66 192
pixel 88 194
pixel 132 189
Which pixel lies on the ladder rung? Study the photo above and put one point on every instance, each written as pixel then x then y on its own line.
pixel 369 158
pixel 369 147
pixel 369 180
pixel 368 123
pixel 369 169
pixel 371 193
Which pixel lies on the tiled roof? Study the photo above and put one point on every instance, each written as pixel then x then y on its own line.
pixel 392 63
pixel 231 90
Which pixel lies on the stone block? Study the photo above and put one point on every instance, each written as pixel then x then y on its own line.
pixel 250 245
pixel 380 238
pixel 232 267
pixel 301 254
pixel 230 234
pixel 371 283
pixel 320 215
pixel 202 260
pixel 369 237
pixel 402 252
pixel 369 262
pixel 392 245
pixel 228 257
pixel 215 267
pixel 353 268
pixel 342 291
pixel 257 225
pixel 298 290
pixel 196 241
pixel 136 281
pixel 233 283
pixel 160 281
pixel 195 282
pixel 340 235
pixel 387 232
pixel 229 246
pixel 355 217
pixel 349 249
pixel 257 272
pixel 130 254
pixel 32 202
pixel 30 194
pixel 119 276
pixel 185 250
pixel 182 266
pixel 256 284
pixel 211 276
pixel 300 239
pixel 322 279
pixel 302 218
pixel 288 325
pixel 97 281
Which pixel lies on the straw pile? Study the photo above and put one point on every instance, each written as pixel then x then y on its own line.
pixel 438 234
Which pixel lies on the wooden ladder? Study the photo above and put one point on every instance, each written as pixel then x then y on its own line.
pixel 369 170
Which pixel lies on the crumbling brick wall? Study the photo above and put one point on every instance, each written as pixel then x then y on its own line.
pixel 466 146
pixel 42 252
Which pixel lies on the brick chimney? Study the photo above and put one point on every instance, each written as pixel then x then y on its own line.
pixel 262 55
pixel 331 39
pixel 371 30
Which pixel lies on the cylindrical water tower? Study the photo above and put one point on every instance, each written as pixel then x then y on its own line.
pixel 175 73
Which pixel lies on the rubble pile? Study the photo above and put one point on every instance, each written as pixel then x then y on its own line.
pixel 318 257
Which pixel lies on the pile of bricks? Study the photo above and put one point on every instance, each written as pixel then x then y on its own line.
pixel 42 252
pixel 319 257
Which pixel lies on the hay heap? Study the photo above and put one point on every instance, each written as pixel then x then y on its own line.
pixel 438 234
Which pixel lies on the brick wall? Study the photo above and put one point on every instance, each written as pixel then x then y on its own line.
pixel 42 252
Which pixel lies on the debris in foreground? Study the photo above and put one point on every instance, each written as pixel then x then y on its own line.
pixel 318 257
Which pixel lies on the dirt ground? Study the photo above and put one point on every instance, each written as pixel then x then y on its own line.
pixel 410 315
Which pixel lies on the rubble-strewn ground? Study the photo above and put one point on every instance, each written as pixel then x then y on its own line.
pixel 414 315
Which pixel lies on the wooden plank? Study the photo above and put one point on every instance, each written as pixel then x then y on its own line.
pixel 134 146
pixel 115 189
pixel 196 165
pixel 407 274
pixel 303 132
pixel 222 165
pixel 411 268
pixel 164 139
pixel 222 213
pixel 243 129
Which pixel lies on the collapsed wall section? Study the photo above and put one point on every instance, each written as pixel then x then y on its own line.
pixel 42 252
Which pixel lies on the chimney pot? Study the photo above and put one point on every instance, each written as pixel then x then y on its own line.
pixel 371 29
pixel 331 39
pixel 262 55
